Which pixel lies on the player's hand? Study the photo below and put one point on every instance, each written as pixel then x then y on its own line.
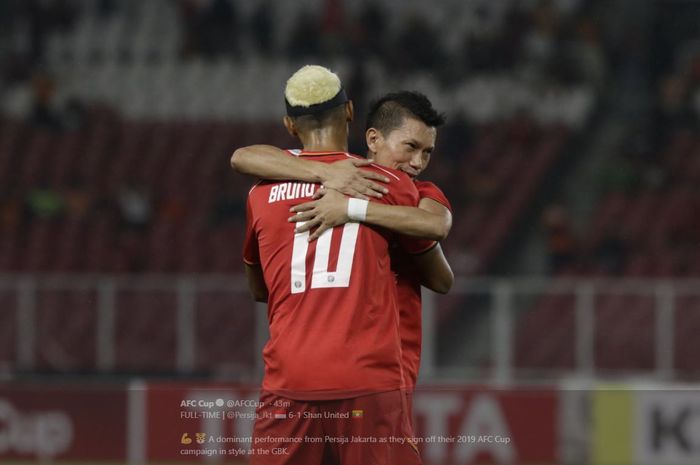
pixel 346 177
pixel 330 210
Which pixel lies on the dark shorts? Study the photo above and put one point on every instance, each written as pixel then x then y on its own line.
pixel 368 430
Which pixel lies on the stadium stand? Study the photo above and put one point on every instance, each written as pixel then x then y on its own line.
pixel 124 104
pixel 645 225
pixel 116 131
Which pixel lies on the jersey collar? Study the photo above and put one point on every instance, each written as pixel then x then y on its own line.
pixel 311 153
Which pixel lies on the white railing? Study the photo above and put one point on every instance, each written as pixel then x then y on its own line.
pixel 28 289
pixel 492 346
pixel 503 310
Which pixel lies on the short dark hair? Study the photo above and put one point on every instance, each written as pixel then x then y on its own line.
pixel 387 113
pixel 330 117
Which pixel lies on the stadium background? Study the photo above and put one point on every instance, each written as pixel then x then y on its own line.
pixel 571 156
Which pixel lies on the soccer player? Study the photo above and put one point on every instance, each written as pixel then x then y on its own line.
pixel 401 127
pixel 333 389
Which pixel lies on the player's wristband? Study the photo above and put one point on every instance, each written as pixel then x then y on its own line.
pixel 357 209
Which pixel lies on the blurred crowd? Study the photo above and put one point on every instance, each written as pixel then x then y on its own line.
pixel 550 45
pixel 131 205
pixel 546 43
pixel 541 41
pixel 657 161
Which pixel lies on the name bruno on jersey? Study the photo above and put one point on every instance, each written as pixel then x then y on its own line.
pixel 291 191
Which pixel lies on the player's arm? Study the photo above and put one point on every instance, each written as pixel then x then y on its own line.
pixel 434 269
pixel 256 282
pixel 430 220
pixel 435 272
pixel 268 162
pixel 251 257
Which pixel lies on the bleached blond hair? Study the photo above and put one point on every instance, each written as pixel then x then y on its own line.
pixel 311 85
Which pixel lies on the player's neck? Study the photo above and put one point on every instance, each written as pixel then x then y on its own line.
pixel 325 140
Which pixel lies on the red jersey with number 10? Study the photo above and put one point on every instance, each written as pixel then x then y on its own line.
pixel 334 322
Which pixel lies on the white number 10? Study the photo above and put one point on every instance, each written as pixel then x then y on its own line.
pixel 321 277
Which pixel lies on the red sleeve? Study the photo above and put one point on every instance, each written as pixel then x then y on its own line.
pixel 402 191
pixel 416 246
pixel 428 190
pixel 251 253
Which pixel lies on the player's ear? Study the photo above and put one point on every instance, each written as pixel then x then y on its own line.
pixel 291 127
pixel 372 137
pixel 349 111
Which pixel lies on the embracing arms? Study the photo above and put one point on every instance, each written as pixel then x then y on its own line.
pixel 268 162
pixel 430 220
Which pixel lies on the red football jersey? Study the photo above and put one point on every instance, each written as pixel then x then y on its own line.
pixel 334 329
pixel 409 295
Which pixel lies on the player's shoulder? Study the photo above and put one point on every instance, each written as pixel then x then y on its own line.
pixel 259 191
pixel 402 190
pixel 259 184
pixel 425 184
pixel 323 157
pixel 427 187
pixel 394 175
pixel 430 190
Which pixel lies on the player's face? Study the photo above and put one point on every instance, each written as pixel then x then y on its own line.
pixel 406 148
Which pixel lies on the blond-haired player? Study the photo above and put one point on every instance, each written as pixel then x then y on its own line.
pixel 333 370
